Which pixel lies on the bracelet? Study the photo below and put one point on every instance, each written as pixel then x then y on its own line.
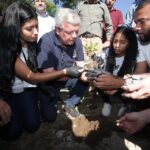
pixel 29 74
pixel 65 71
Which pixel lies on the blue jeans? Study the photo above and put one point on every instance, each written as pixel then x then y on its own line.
pixel 48 103
pixel 76 91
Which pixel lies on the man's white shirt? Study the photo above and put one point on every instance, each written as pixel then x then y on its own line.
pixel 46 24
pixel 144 53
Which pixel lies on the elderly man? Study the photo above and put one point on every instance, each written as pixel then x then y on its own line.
pixel 59 49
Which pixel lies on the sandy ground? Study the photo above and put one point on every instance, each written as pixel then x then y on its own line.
pixel 91 131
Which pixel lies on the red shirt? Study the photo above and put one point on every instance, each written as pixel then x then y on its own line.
pixel 116 17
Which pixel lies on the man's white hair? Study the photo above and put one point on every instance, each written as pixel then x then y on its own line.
pixel 66 15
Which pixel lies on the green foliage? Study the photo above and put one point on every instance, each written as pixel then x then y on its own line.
pixel 91 47
pixel 67 3
pixel 50 8
pixel 6 3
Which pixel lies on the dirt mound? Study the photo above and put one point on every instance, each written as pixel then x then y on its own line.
pixel 91 129
pixel 81 126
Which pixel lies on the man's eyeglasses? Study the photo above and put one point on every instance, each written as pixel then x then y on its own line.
pixel 70 33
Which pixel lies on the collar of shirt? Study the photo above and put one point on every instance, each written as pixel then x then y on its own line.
pixel 56 39
pixel 113 9
pixel 45 15
pixel 87 2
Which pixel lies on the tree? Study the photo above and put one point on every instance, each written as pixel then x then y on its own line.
pixel 51 7
pixel 6 3
pixel 67 3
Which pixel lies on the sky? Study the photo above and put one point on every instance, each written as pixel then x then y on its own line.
pixel 123 5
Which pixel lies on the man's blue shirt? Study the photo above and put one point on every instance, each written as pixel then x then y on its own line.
pixel 51 53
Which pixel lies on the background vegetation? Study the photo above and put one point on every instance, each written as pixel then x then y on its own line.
pixel 51 4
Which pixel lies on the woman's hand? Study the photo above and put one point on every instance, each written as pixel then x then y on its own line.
pixel 5 113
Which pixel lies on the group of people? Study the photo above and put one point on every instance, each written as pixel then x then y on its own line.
pixel 135 121
pixel 34 68
pixel 139 63
pixel 23 99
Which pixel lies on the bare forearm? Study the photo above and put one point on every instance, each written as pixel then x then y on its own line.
pixel 24 72
pixel 145 114
pixel 43 77
pixel 119 83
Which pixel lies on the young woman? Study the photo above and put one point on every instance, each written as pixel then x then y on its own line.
pixel 120 59
pixel 18 73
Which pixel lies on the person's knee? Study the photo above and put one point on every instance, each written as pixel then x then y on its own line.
pixel 32 126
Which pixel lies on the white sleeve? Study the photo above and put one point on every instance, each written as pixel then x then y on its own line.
pixel 141 56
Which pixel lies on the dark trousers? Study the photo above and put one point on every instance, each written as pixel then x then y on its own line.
pixel 48 107
pixel 25 114
pixel 27 109
pixel 106 97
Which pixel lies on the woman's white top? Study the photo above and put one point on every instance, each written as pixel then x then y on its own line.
pixel 19 84
pixel 119 61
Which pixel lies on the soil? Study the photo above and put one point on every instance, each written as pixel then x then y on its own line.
pixel 90 131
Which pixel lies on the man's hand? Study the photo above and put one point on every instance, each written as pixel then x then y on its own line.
pixel 132 122
pixel 139 93
pixel 108 82
pixel 110 92
pixel 5 112
pixel 74 71
pixel 139 89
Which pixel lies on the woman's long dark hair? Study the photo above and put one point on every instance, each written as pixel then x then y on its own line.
pixel 10 43
pixel 130 53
